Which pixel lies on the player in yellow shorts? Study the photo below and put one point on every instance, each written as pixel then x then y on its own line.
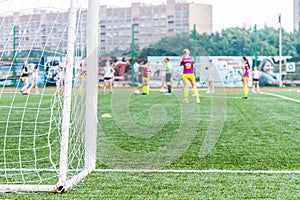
pixel 245 76
pixel 188 75
pixel 146 78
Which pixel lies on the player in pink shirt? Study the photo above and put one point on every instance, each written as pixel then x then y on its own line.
pixel 146 78
pixel 188 75
pixel 245 76
pixel 82 74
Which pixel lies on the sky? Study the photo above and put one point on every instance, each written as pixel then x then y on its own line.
pixel 226 13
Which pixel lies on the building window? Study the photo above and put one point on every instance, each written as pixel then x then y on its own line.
pixel 170 18
pixel 185 14
pixel 185 22
pixel 128 18
pixel 136 21
pixel 163 16
pixel 178 14
pixel 102 22
pixel 115 18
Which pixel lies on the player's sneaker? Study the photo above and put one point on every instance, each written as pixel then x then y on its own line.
pixel 197 100
pixel 168 94
pixel 185 101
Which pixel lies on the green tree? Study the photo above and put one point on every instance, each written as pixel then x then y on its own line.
pixel 229 42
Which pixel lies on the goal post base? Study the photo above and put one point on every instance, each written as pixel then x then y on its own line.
pixel 27 188
pixel 58 188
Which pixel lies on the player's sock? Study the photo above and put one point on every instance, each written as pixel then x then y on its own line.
pixel 245 91
pixel 144 89
pixel 196 92
pixel 169 89
pixel 186 93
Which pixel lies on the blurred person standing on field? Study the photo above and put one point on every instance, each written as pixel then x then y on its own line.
pixel 146 78
pixel 210 78
pixel 24 77
pixel 256 75
pixel 188 75
pixel 245 76
pixel 108 77
pixel 168 76
pixel 35 77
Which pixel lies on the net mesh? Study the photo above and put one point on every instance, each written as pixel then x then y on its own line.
pixel 31 121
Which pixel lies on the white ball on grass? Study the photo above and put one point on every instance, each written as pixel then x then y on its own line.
pixel 106 115
pixel 137 92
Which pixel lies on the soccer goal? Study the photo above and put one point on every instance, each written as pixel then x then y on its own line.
pixel 47 131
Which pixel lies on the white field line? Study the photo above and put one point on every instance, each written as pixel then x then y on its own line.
pixel 200 171
pixel 167 171
pixel 282 97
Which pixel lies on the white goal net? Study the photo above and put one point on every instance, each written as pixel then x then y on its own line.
pixel 43 96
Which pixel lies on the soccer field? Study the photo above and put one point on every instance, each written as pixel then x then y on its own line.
pixel 226 147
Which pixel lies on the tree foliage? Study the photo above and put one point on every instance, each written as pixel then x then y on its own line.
pixel 229 42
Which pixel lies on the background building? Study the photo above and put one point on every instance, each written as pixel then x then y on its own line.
pixel 296 15
pixel 38 29
pixel 151 22
pixel 46 28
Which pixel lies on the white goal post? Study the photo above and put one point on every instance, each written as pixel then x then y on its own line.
pixel 53 155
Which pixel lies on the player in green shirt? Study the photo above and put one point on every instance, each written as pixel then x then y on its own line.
pixel 168 75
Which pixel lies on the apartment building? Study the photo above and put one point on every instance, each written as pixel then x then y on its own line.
pixel 35 29
pixel 148 23
pixel 151 22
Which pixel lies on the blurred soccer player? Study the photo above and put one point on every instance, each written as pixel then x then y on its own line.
pixel 35 76
pixel 108 77
pixel 168 76
pixel 24 78
pixel 245 76
pixel 256 75
pixel 146 78
pixel 82 73
pixel 188 75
